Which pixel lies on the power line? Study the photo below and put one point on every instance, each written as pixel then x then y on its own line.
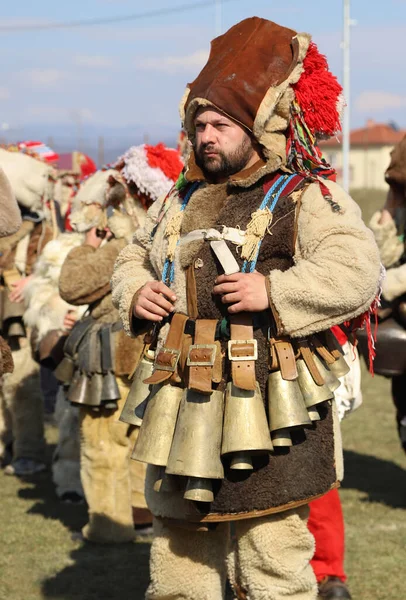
pixel 110 20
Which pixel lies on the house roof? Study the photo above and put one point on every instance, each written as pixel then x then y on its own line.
pixel 373 134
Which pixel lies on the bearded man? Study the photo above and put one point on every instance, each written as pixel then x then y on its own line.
pixel 242 269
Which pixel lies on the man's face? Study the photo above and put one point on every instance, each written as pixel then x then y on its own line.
pixel 222 147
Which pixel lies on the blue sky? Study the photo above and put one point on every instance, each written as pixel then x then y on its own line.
pixel 134 73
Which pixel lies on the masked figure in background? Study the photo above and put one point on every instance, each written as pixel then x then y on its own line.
pixel 244 267
pixel 107 209
pixel 10 221
pixel 389 227
pixel 32 182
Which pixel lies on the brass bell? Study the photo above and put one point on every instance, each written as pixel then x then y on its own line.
pixel 312 392
pixel 64 371
pixel 77 393
pixel 313 413
pixel 136 402
pixel 16 329
pixel 93 395
pixel 199 489
pixel 245 429
pixel 340 367
pixel 281 438
pixel 195 450
pixel 158 425
pixel 110 389
pixel 330 379
pixel 286 404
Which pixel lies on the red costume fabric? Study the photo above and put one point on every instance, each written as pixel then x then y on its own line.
pixel 326 524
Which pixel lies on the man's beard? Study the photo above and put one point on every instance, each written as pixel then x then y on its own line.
pixel 222 166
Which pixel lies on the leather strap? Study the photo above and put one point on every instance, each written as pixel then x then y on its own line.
pixel 202 356
pixel 333 345
pixel 286 359
pixel 191 293
pixel 307 356
pixel 167 358
pixel 242 351
pixel 322 351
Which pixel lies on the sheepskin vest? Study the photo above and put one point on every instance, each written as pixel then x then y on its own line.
pixel 285 478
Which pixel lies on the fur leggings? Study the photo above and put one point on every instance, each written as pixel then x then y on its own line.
pixel 268 560
pixel 111 481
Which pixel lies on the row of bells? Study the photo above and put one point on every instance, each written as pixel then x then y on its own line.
pixel 95 390
pixel 187 433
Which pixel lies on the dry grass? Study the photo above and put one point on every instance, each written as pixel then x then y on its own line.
pixel 39 560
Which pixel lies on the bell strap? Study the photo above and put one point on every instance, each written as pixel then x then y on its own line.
pixel 202 356
pixel 322 351
pixel 242 351
pixel 333 344
pixel 285 357
pixel 107 359
pixel 76 335
pixel 167 358
pixel 307 356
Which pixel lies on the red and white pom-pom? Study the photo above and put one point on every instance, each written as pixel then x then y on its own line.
pixel 153 169
pixel 44 153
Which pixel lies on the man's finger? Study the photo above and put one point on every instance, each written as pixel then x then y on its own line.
pixel 231 298
pixel 161 288
pixel 153 308
pixel 226 288
pixel 141 313
pixel 159 300
pixel 236 308
pixel 228 278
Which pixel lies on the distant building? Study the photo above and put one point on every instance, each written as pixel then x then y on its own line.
pixel 369 155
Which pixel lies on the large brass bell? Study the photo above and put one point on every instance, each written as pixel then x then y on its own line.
pixel 158 425
pixel 312 393
pixel 340 367
pixel 329 378
pixel 245 429
pixel 93 395
pixel 136 402
pixel 196 446
pixel 286 407
pixel 64 371
pixel 78 390
pixel 110 391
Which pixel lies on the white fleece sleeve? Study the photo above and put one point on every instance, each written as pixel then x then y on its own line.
pixel 389 243
pixel 394 284
pixel 337 266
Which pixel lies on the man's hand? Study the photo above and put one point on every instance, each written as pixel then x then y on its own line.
pixel 69 320
pixel 154 301
pixel 94 239
pixel 17 293
pixel 244 291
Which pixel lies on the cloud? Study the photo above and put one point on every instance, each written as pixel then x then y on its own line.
pixel 57 114
pixel 93 62
pixel 4 93
pixel 42 77
pixel 173 64
pixel 376 101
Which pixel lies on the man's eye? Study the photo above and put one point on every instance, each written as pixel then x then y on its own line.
pixel 199 127
pixel 222 126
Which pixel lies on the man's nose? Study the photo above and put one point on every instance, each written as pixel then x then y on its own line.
pixel 208 134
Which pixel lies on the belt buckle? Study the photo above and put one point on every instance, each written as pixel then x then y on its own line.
pixel 253 356
pixel 201 363
pixel 170 368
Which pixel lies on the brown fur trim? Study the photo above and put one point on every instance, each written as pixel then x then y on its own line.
pixel 127 353
pixel 11 241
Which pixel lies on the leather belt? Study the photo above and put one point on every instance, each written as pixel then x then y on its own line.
pixel 286 359
pixel 243 351
pixel 167 359
pixel 307 356
pixel 202 356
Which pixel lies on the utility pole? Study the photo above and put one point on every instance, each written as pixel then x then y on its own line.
pixel 219 18
pixel 347 94
pixel 100 152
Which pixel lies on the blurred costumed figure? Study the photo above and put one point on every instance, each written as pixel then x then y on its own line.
pixel 108 208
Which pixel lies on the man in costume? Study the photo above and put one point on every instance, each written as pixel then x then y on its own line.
pixel 389 226
pixel 32 182
pixel 108 208
pixel 243 268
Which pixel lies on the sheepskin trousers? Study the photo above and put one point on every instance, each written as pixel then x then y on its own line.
pixel 112 482
pixel 22 407
pixel 267 559
pixel 326 523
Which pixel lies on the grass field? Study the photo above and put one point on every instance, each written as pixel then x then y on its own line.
pixel 38 559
